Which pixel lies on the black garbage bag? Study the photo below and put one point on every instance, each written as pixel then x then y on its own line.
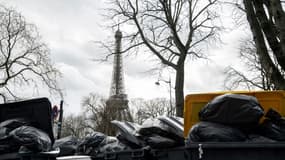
pixel 112 144
pixel 126 142
pixel 67 145
pixel 8 145
pixel 14 123
pixel 174 126
pixel 155 126
pixel 255 138
pixel 237 110
pixel 178 120
pixel 214 132
pixel 90 144
pixel 128 134
pixel 108 144
pixel 275 117
pixel 272 130
pixel 159 142
pixel 32 138
pixel 3 132
pixel 7 126
pixel 162 132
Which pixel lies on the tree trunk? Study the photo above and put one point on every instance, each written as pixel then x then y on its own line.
pixel 279 17
pixel 270 32
pixel 179 90
pixel 271 70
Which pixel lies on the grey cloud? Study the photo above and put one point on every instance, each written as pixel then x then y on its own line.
pixel 69 26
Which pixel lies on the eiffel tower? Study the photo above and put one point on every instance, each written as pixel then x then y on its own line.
pixel 117 103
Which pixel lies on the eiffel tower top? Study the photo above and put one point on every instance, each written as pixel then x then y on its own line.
pixel 117 85
pixel 118 34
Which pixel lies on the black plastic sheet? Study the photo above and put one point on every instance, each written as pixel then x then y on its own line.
pixel 112 144
pixel 153 126
pixel 102 145
pixel 32 138
pixel 159 142
pixel 3 133
pixel 174 126
pixel 159 126
pixel 90 144
pixel 7 126
pixel 254 138
pixel 67 145
pixel 128 135
pixel 8 145
pixel 237 110
pixel 178 120
pixel 214 132
pixel 270 129
pixel 162 132
pixel 275 117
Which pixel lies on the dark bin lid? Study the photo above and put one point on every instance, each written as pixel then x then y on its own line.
pixel 37 111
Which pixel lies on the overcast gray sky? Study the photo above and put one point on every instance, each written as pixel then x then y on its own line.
pixel 70 26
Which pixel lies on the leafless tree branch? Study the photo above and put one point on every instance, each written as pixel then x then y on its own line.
pixel 170 29
pixel 23 56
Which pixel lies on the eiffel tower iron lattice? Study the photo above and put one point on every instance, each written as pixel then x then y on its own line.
pixel 118 101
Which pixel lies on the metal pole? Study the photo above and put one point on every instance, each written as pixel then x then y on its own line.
pixel 170 94
pixel 60 120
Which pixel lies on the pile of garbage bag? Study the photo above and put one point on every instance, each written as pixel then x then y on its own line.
pixel 67 145
pixel 98 143
pixel 16 133
pixel 227 118
pixel 162 132
pixel 235 118
pixel 154 133
pixel 127 134
pixel 215 132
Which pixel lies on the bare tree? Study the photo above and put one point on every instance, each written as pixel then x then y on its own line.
pixel 24 59
pixel 98 114
pixel 253 75
pixel 153 108
pixel 263 54
pixel 267 23
pixel 172 30
pixel 74 125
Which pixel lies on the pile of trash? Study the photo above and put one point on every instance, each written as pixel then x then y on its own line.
pixel 237 118
pixel 19 134
pixel 227 118
pixel 32 135
pixel 154 133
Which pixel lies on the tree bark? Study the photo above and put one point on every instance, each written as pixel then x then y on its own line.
pixel 279 17
pixel 179 90
pixel 270 68
pixel 269 29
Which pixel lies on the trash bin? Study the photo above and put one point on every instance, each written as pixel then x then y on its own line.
pixel 38 113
